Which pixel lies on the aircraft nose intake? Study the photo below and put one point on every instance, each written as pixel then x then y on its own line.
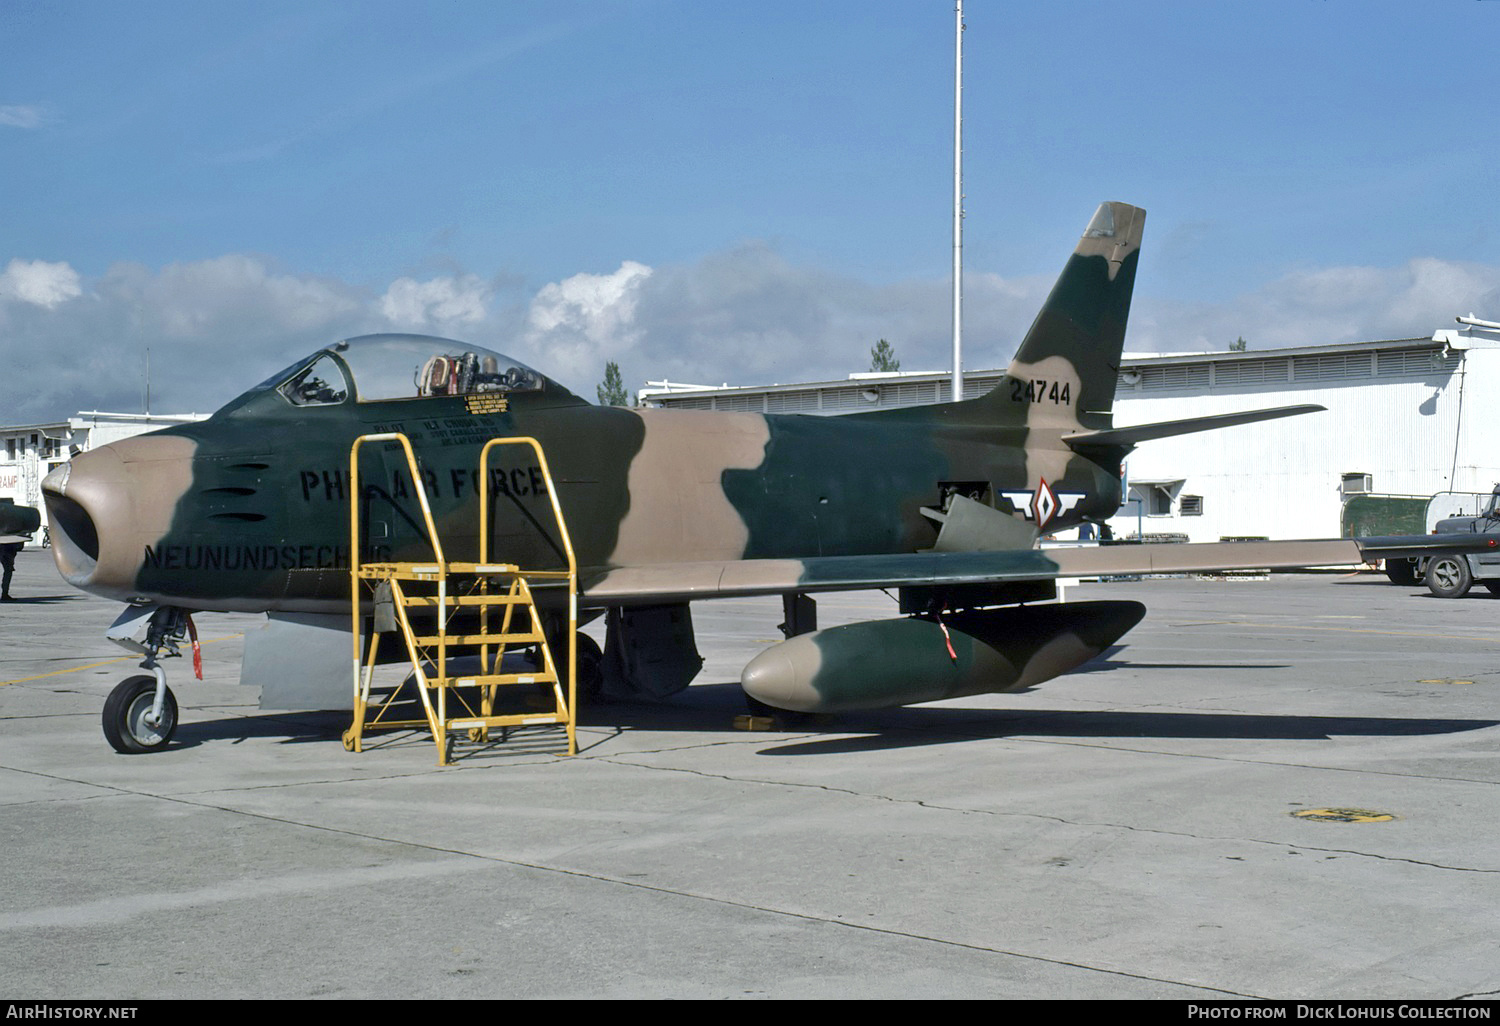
pixel 69 492
pixel 75 539
pixel 107 504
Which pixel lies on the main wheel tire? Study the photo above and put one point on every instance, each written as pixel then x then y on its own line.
pixel 590 660
pixel 125 713
pixel 1449 577
pixel 590 668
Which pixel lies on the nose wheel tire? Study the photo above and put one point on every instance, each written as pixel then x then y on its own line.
pixel 127 717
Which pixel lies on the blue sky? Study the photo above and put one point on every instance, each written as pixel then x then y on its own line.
pixel 714 191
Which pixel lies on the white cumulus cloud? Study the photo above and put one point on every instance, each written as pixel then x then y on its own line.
pixel 441 301
pixel 39 283
pixel 579 324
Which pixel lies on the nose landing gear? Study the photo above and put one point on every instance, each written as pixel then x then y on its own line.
pixel 140 714
pixel 131 722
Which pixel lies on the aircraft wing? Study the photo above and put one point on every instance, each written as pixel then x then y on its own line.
pixel 677 582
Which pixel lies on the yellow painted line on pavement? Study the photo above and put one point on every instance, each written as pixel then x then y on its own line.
pixel 94 666
pixel 71 669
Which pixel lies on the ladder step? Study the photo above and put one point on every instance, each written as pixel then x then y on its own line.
pixel 416 574
pixel 431 571
pixel 466 600
pixel 429 640
pixel 469 723
pixel 486 679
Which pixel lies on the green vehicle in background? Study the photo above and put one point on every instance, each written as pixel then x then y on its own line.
pixel 1365 515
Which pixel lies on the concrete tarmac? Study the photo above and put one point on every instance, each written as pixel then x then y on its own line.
pixel 1127 831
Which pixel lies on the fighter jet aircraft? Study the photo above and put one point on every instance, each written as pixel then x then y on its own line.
pixel 250 510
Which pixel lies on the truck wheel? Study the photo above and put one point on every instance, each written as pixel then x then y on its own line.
pixel 1401 571
pixel 1449 577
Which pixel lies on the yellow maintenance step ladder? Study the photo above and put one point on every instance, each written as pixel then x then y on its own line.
pixel 459 675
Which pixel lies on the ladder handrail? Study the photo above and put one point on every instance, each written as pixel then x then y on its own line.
pixel 419 488
pixel 562 529
pixel 484 497
pixel 354 499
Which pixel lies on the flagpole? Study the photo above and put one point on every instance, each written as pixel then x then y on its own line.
pixel 958 202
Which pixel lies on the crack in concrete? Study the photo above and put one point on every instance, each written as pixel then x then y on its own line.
pixel 1003 813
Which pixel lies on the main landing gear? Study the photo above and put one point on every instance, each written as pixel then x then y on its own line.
pixel 140 714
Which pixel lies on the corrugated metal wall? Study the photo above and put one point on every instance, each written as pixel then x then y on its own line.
pixel 1395 415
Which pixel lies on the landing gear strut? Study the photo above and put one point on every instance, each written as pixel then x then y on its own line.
pixel 140 714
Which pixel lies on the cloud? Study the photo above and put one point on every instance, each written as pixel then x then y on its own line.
pixel 1325 306
pixel 582 322
pixel 748 316
pixel 743 316
pixel 39 283
pixel 213 328
pixel 436 303
pixel 207 300
pixel 23 116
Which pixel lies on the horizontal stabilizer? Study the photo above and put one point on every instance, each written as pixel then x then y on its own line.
pixel 1128 437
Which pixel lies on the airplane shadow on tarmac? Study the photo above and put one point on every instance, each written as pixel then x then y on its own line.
pixel 947 726
pixel 712 708
pixel 289 727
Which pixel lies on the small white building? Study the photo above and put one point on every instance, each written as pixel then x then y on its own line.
pixel 1410 416
pixel 31 451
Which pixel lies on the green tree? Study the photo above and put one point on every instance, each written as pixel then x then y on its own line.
pixel 883 357
pixel 612 389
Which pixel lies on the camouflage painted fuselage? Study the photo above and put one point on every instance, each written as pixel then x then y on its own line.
pixel 250 510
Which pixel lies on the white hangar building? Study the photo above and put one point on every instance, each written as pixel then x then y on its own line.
pixel 1411 416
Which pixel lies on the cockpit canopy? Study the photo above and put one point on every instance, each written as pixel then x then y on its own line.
pixel 376 368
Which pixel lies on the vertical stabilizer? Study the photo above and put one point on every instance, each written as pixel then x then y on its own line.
pixel 1064 373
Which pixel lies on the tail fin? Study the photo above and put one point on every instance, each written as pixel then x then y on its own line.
pixel 1065 372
